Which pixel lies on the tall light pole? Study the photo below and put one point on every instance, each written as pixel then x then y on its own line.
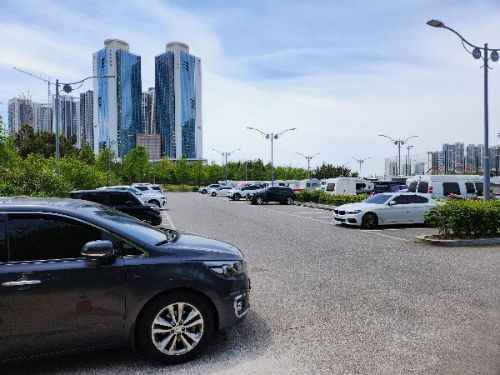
pixel 308 158
pixel 109 160
pixel 398 143
pixel 361 161
pixel 226 154
pixel 272 137
pixel 408 169
pixel 67 89
pixel 476 53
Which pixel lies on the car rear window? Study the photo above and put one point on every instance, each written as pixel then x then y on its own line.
pixel 451 188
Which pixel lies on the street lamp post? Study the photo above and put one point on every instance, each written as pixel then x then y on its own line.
pixel 109 160
pixel 67 89
pixel 272 137
pixel 398 143
pixel 361 161
pixel 308 158
pixel 408 169
pixel 226 154
pixel 476 53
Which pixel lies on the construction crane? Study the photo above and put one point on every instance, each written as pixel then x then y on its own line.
pixel 39 77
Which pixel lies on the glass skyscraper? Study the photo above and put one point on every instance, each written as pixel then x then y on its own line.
pixel 178 102
pixel 117 101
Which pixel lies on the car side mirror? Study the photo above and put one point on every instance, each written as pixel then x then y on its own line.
pixel 101 249
pixel 129 203
pixel 392 203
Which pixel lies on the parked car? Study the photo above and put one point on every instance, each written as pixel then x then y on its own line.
pixel 385 209
pixel 204 190
pixel 139 194
pixel 154 195
pixel 281 194
pixel 76 276
pixel 149 186
pixel 237 194
pixel 121 200
pixel 221 191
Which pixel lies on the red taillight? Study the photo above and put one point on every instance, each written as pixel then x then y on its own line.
pixel 430 189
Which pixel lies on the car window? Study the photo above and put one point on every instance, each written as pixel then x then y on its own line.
pixel 401 199
pixel 120 198
pixel 379 198
pixel 97 197
pixel 469 188
pixel 413 186
pixel 142 188
pixel 479 186
pixel 423 187
pixel 414 199
pixel 3 241
pixel 330 186
pixel 451 188
pixel 42 237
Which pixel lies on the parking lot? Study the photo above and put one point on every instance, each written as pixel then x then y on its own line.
pixel 329 299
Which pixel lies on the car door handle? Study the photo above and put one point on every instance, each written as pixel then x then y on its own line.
pixel 21 282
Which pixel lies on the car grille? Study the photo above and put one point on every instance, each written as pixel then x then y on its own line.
pixel 339 212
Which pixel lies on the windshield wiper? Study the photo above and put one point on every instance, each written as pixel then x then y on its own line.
pixel 171 236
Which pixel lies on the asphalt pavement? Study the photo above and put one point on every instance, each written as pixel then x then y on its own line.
pixel 329 299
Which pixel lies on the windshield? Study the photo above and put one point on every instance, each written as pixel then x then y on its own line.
pixel 122 223
pixel 379 198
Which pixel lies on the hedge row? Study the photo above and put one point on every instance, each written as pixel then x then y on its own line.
pixel 319 196
pixel 466 219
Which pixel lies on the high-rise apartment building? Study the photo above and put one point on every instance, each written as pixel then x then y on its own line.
pixel 20 112
pixel 86 133
pixel 178 102
pixel 117 101
pixel 42 117
pixel 69 115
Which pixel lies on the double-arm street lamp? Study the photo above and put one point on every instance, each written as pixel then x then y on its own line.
pixel 476 53
pixel 308 158
pixel 272 137
pixel 67 89
pixel 361 161
pixel 226 154
pixel 398 143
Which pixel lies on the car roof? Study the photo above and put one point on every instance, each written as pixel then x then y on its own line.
pixel 22 201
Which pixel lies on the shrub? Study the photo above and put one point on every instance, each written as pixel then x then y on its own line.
pixel 466 218
pixel 319 196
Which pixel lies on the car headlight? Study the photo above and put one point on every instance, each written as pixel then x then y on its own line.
pixel 228 268
pixel 353 212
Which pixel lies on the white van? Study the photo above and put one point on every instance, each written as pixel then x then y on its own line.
pixel 441 186
pixel 344 185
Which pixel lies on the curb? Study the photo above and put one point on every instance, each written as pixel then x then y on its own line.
pixel 314 205
pixel 459 243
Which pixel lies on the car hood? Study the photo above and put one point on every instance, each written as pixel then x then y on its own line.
pixel 359 206
pixel 196 247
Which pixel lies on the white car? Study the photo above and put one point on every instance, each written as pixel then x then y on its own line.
pixel 221 191
pixel 236 194
pixel 152 193
pixel 385 209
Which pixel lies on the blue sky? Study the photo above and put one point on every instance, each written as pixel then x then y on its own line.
pixel 341 72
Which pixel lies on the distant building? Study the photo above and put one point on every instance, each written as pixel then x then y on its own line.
pixel 178 102
pixel 20 112
pixel 86 133
pixel 152 143
pixel 117 101
pixel 69 115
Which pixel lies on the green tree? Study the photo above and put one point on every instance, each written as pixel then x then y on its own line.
pixel 25 140
pixel 82 175
pixel 165 170
pixel 86 154
pixel 136 164
pixel 198 173
pixel 182 170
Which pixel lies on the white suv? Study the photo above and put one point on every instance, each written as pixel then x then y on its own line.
pixel 153 194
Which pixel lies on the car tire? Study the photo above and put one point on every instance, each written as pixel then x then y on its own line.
pixel 213 194
pixel 259 200
pixel 166 337
pixel 237 196
pixel 289 200
pixel 203 191
pixel 155 202
pixel 369 221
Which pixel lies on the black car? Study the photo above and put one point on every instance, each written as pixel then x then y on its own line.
pixel 123 201
pixel 76 275
pixel 281 194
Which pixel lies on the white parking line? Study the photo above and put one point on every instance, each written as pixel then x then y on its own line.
pixel 165 215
